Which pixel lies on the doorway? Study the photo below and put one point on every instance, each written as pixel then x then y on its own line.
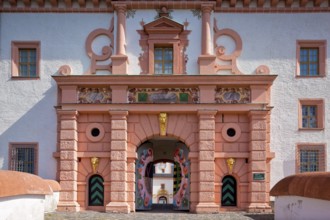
pixel 162 175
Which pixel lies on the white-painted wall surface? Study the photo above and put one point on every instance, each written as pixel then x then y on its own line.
pixel 51 201
pixel 156 186
pixel 301 208
pixel 270 39
pixel 27 106
pixel 27 207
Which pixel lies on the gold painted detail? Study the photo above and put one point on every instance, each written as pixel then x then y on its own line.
pixel 230 164
pixel 232 95
pixel 95 163
pixel 162 123
pixel 94 95
pixel 163 95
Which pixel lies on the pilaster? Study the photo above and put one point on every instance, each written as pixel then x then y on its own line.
pixel 258 195
pixel 68 138
pixel 206 60
pixel 119 61
pixel 206 165
pixel 118 163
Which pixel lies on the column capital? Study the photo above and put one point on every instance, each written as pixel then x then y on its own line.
pixel 206 113
pixel 207 7
pixel 258 114
pixel 120 7
pixel 67 114
pixel 118 113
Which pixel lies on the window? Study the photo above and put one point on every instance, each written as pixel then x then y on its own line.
pixel 310 158
pixel 25 59
pixel 311 114
pixel 163 60
pixel 311 57
pixel 23 157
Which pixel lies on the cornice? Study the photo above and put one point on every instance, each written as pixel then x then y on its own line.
pixel 224 6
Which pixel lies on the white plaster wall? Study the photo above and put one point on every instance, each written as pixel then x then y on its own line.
pixel 301 208
pixel 27 112
pixel 27 207
pixel 51 202
pixel 133 48
pixel 270 39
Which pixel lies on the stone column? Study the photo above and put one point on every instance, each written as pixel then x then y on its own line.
pixel 257 162
pixel 118 163
pixel 206 165
pixel 131 181
pixel 119 61
pixel 68 141
pixel 206 59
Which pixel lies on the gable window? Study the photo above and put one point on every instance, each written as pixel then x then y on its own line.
pixel 23 157
pixel 311 58
pixel 309 61
pixel 311 158
pixel 311 114
pixel 25 59
pixel 163 60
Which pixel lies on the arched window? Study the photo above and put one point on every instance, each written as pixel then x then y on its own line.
pixel 162 200
pixel 229 191
pixel 96 191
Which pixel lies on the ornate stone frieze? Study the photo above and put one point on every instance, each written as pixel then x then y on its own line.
pixel 94 95
pixel 163 95
pixel 232 95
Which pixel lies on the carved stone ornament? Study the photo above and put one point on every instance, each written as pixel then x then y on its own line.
pixel 106 50
pixel 162 123
pixel 232 95
pixel 94 95
pixel 64 70
pixel 163 95
pixel 95 163
pixel 230 164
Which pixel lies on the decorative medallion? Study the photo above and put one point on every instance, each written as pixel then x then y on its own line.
pixel 232 95
pixel 94 95
pixel 160 95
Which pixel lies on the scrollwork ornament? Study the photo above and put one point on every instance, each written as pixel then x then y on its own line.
pixel 64 70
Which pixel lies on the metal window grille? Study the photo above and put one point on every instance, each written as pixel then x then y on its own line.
pixel 309 116
pixel 27 62
pixel 23 159
pixel 309 61
pixel 309 160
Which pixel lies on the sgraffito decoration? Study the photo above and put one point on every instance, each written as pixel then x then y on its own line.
pixel 228 61
pixel 181 179
pixel 106 50
pixel 144 174
pixel 232 95
pixel 160 95
pixel 94 95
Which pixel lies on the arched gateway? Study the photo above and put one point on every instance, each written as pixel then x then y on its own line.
pixel 198 132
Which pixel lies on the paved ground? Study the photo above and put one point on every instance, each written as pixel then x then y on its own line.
pixel 90 215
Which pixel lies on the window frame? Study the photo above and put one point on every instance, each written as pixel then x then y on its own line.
pixel 16 46
pixel 319 103
pixel 15 145
pixel 163 61
pixel 317 44
pixel 320 147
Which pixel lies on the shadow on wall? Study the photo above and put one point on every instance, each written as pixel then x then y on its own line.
pixel 31 121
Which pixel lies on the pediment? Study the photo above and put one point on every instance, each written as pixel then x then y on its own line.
pixel 163 25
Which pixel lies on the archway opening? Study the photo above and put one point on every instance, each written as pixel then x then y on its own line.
pixel 162 175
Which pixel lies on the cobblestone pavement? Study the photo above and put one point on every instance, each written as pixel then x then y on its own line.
pixel 91 215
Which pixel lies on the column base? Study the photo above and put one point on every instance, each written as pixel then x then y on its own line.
pixel 68 206
pixel 118 207
pixel 207 208
pixel 206 64
pixel 119 64
pixel 259 208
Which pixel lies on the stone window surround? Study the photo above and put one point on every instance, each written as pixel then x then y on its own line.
pixel 33 145
pixel 15 47
pixel 320 113
pixel 321 45
pixel 321 147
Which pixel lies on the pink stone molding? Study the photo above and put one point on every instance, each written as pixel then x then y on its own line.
pixel 231 59
pixel 322 46
pixel 163 32
pixel 106 50
pixel 15 46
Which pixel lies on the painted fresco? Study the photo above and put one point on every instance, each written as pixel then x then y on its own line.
pixel 144 174
pixel 181 179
